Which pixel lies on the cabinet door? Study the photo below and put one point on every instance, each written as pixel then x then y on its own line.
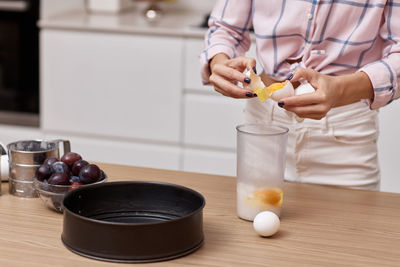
pixel 123 152
pixel 192 77
pixel 209 161
pixel 210 120
pixel 11 133
pixel 388 147
pixel 111 84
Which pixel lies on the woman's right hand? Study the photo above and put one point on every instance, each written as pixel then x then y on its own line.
pixel 225 73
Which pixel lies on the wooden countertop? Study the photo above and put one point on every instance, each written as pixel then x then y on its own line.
pixel 320 226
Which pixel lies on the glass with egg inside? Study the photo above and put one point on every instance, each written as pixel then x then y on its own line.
pixel 261 159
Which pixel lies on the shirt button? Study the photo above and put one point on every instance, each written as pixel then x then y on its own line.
pixel 309 16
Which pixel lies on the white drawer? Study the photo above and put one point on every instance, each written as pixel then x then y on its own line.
pixel 211 120
pixel 213 162
pixel 124 152
pixel 10 133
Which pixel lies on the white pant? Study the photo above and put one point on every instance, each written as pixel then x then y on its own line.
pixel 339 149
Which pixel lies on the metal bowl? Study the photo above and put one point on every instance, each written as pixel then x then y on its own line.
pixel 53 195
pixel 133 221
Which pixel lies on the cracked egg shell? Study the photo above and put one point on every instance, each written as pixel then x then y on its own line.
pixel 286 91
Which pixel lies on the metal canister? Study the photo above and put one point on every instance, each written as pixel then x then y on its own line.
pixel 25 157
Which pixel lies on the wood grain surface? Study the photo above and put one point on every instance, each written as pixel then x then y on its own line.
pixel 320 226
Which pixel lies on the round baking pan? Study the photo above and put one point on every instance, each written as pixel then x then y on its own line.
pixel 133 221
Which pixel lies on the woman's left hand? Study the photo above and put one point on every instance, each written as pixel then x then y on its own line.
pixel 328 93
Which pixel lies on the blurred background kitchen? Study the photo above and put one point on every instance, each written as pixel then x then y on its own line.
pixel 120 79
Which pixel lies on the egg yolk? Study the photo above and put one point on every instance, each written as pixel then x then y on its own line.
pixel 271 197
pixel 264 93
pixel 261 94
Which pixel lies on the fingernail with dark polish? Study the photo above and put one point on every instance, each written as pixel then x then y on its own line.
pixel 248 94
pixel 290 76
pixel 247 80
pixel 255 70
pixel 254 94
pixel 281 104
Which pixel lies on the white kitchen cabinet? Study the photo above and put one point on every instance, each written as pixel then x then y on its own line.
pixel 123 152
pixel 209 161
pixel 106 84
pixel 9 134
pixel 210 120
pixel 388 147
pixel 191 64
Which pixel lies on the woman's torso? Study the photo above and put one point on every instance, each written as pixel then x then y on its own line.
pixel 332 37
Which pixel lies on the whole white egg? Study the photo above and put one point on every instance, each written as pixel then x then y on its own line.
pixel 304 88
pixel 266 223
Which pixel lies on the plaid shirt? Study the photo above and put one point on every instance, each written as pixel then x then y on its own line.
pixel 334 37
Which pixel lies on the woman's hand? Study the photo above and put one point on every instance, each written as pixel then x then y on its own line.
pixel 330 91
pixel 226 72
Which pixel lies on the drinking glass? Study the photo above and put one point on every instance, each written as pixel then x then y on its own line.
pixel 261 159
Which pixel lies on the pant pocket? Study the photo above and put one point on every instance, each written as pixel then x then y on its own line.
pixel 356 131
